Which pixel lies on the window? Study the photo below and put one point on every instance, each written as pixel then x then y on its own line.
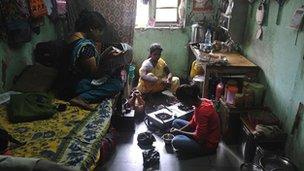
pixel 158 13
pixel 142 14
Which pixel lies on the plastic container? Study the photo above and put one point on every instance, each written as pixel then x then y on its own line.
pixel 248 95
pixel 219 90
pixel 258 90
pixel 248 98
pixel 239 100
pixel 230 91
pixel 208 39
pixel 131 72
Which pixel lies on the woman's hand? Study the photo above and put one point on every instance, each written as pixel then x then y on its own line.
pixel 115 52
pixel 164 80
pixel 150 77
pixel 174 130
pixel 169 78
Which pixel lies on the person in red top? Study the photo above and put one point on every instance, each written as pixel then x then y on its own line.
pixel 202 134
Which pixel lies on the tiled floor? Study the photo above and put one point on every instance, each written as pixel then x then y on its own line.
pixel 128 156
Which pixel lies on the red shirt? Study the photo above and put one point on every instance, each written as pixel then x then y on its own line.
pixel 206 123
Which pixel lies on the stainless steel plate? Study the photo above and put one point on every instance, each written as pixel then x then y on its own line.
pixel 276 163
pixel 251 167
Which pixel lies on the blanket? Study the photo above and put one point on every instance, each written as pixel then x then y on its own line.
pixel 71 138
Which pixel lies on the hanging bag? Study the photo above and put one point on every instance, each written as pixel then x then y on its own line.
pixel 37 8
pixel 15 17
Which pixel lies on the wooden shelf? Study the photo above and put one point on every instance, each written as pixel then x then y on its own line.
pixel 237 65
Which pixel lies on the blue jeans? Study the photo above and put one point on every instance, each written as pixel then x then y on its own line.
pixel 183 143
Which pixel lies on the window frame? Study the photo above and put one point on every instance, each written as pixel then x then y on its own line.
pixel 152 15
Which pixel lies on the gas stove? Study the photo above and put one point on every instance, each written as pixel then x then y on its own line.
pixel 164 117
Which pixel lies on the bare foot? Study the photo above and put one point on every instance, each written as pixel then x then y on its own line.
pixel 77 101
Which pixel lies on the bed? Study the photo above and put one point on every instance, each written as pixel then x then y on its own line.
pixel 71 138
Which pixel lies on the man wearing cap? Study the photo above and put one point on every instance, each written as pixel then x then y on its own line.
pixel 154 73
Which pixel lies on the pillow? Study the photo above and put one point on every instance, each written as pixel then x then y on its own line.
pixel 35 78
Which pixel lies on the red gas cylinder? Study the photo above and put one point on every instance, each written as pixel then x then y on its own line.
pixel 230 91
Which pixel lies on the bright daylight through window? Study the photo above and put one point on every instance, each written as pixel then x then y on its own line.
pixel 157 13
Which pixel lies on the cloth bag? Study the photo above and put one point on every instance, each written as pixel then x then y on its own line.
pixel 30 107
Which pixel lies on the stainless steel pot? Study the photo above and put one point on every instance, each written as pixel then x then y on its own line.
pixel 251 167
pixel 272 162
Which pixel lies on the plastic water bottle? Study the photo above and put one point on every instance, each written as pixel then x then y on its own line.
pixel 208 40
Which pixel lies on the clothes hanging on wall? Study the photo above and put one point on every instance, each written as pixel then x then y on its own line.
pixel 15 18
pixel 259 19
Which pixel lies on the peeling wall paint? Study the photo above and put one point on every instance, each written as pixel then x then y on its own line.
pixel 14 60
pixel 283 68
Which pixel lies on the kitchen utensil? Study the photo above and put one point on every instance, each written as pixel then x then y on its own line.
pixel 251 167
pixel 167 138
pixel 281 3
pixel 276 162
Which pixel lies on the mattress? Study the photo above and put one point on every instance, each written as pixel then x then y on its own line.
pixel 71 138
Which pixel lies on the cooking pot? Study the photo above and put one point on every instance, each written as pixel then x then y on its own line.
pixel 167 138
pixel 251 167
pixel 274 162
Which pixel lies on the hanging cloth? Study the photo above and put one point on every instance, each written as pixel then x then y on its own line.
pixel 181 13
pixel 259 19
pixel 37 8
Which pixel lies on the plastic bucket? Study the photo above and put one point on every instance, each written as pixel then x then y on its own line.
pixel 131 71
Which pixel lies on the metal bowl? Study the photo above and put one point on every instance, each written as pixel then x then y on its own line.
pixel 251 167
pixel 163 116
pixel 167 138
pixel 276 163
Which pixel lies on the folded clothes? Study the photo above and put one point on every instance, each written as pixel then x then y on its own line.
pixel 268 130
pixel 262 117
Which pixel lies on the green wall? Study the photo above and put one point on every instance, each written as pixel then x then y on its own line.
pixel 282 63
pixel 174 41
pixel 16 59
